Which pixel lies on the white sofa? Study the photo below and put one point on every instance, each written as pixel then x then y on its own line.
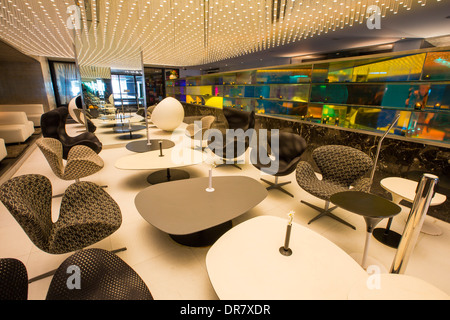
pixel 3 152
pixel 15 127
pixel 33 111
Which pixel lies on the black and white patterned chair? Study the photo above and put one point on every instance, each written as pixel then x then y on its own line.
pixel 13 280
pixel 102 276
pixel 87 213
pixel 341 167
pixel 81 160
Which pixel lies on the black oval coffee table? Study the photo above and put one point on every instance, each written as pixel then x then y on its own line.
pixel 193 216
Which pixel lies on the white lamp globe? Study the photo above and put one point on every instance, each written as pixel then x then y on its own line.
pixel 168 114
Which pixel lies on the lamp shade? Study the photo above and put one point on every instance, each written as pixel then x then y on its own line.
pixel 168 114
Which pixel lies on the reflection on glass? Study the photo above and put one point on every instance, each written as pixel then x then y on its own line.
pixel 430 126
pixel 363 94
pixel 437 66
pixel 418 96
pixel 288 75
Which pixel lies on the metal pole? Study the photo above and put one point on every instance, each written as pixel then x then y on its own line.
pixel 379 148
pixel 144 94
pixel 424 195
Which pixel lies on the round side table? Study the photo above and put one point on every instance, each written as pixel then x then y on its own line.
pixel 373 208
pixel 403 189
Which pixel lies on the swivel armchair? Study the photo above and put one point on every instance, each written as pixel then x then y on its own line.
pixel 193 130
pixel 81 160
pixel 290 149
pixel 231 150
pixel 341 167
pixel 104 277
pixel 13 280
pixel 75 109
pixel 87 213
pixel 53 125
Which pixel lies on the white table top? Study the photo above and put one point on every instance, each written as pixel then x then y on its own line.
pixel 395 287
pixel 245 263
pixel 406 189
pixel 173 158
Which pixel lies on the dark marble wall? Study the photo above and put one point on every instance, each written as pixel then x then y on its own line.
pixel 397 157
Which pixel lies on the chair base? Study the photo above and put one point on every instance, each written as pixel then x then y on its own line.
pixel 278 186
pixel 326 212
pixel 229 164
pixel 52 272
pixel 61 194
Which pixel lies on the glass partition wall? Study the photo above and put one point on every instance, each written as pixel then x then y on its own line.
pixel 364 94
pixel 112 82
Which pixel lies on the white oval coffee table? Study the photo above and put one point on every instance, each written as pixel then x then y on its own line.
pixel 246 264
pixel 172 158
pixel 405 189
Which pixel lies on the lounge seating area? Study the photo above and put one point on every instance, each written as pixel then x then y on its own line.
pixel 15 126
pixel 33 111
pixel 169 270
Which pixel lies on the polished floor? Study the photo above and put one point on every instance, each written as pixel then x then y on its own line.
pixel 173 271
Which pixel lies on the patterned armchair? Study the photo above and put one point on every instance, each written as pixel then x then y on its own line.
pixel 104 277
pixel 13 280
pixel 81 160
pixel 87 213
pixel 341 167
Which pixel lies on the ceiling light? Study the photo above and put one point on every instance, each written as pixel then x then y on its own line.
pixel 176 32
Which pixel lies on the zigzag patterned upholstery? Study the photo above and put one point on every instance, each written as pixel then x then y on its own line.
pixel 103 276
pixel 87 213
pixel 13 280
pixel 340 166
pixel 81 162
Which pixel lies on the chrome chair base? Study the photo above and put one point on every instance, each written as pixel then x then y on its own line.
pixel 326 212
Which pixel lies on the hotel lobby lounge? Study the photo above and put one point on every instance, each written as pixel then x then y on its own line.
pixel 336 176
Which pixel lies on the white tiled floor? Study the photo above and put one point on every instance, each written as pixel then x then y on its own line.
pixel 173 271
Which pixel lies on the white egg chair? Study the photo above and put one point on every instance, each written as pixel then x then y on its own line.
pixel 168 114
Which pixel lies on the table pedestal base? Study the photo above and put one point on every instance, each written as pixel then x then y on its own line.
pixel 203 238
pixel 130 137
pixel 387 237
pixel 167 175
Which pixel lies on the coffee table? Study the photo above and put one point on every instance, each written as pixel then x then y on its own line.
pixel 172 158
pixel 245 263
pixel 143 146
pixel 395 287
pixel 191 215
pixel 130 130
pixel 373 208
pixel 404 189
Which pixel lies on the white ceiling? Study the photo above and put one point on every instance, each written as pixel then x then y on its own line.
pixel 39 27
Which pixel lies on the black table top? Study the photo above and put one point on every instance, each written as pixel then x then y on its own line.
pixel 126 128
pixel 365 204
